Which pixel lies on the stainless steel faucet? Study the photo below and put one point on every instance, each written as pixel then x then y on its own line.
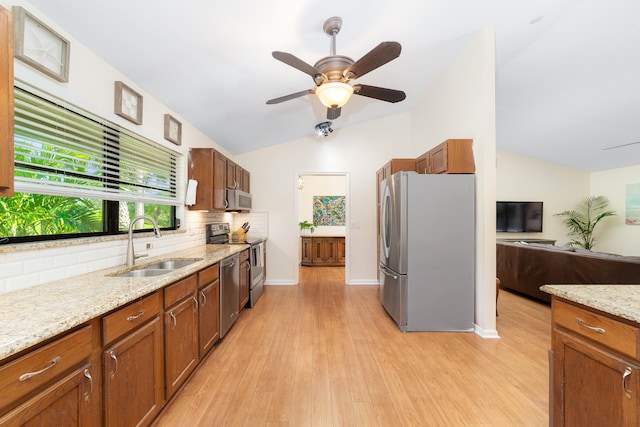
pixel 131 256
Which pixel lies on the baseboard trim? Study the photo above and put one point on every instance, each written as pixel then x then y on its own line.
pixel 486 333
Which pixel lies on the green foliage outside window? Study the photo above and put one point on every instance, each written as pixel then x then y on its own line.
pixel 37 214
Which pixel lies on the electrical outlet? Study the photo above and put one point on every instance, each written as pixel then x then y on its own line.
pixel 149 246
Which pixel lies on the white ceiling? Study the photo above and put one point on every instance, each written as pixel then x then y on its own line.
pixel 567 70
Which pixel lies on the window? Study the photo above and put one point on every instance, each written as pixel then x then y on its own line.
pixel 77 174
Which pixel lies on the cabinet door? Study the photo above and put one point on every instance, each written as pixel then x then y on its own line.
pixel 246 181
pixel 342 250
pixel 133 377
pixel 209 316
pixel 74 400
pixel 317 251
pixel 592 387
pixel 422 164
pixel 232 182
pixel 331 250
pixel 438 158
pixel 306 251
pixel 219 182
pixel 6 103
pixel 181 343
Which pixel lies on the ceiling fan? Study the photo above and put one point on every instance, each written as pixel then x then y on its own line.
pixel 332 74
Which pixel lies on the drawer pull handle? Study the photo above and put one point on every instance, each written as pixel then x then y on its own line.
pixel 204 298
pixel 195 301
pixel 28 375
pixel 593 328
pixel 627 392
pixel 173 318
pixel 135 316
pixel 88 376
pixel 115 361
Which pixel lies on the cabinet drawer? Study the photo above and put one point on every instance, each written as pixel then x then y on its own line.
pixel 24 375
pixel 244 255
pixel 130 317
pixel 180 290
pixel 602 329
pixel 209 275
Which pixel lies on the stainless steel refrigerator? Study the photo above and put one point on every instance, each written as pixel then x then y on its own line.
pixel 427 251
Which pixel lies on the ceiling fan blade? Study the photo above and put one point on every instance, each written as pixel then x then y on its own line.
pixel 295 62
pixel 381 93
pixel 378 56
pixel 290 96
pixel 333 113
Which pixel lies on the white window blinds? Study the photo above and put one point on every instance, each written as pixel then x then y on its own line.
pixel 62 150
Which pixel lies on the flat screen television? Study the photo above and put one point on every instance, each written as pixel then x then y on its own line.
pixel 519 217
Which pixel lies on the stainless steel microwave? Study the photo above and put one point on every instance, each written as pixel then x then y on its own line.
pixel 238 200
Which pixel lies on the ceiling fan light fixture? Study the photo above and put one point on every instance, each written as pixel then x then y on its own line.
pixel 334 94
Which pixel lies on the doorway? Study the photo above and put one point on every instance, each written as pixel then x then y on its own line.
pixel 322 198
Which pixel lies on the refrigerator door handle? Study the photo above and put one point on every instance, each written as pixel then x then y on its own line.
pixel 384 270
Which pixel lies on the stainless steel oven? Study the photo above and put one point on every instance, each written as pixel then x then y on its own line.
pixel 256 274
pixel 218 233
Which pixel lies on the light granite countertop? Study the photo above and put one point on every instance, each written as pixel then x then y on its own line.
pixel 618 300
pixel 36 314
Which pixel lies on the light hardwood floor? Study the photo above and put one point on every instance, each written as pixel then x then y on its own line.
pixel 326 354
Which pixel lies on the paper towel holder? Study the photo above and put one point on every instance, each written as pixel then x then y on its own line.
pixel 190 197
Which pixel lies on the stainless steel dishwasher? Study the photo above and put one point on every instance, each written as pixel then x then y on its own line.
pixel 229 292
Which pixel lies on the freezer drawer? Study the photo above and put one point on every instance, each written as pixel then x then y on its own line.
pixel 393 295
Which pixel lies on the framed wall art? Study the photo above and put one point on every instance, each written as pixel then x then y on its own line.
pixel 329 210
pixel 172 129
pixel 128 103
pixel 39 46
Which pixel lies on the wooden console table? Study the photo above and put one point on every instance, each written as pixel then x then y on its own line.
pixel 323 251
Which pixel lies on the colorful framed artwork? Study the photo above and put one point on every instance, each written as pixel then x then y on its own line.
pixel 329 210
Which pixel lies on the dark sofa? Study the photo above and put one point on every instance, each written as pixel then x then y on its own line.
pixel 524 267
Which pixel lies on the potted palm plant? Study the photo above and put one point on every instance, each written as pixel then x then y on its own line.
pixel 306 228
pixel 582 220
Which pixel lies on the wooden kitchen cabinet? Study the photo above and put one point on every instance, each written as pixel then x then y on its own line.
pixel 209 168
pixel 215 175
pixel 6 102
pixel 74 400
pixel 245 267
pixel 595 373
pixel 323 251
pixel 133 365
pixel 452 156
pixel 209 311
pixel 180 332
pixel 237 177
pixel 55 384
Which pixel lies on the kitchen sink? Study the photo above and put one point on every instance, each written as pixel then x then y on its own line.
pixel 159 268
pixel 172 264
pixel 144 272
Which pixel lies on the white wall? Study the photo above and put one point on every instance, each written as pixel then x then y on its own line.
pixel 612 234
pixel 560 188
pixel 462 105
pixel 320 185
pixel 91 86
pixel 358 151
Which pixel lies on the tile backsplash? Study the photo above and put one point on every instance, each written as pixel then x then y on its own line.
pixel 27 265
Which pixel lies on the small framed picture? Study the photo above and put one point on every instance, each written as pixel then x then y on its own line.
pixel 39 46
pixel 172 129
pixel 128 103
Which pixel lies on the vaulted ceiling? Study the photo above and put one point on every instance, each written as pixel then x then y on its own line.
pixel 567 70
